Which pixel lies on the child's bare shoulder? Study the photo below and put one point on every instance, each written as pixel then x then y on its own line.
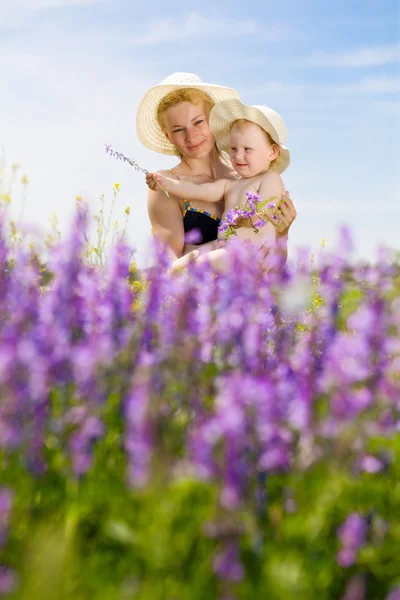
pixel 272 180
pixel 271 177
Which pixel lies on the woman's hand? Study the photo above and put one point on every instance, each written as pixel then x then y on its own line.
pixel 286 215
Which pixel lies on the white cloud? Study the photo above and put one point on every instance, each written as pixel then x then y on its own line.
pixel 337 208
pixel 362 57
pixel 366 85
pixel 194 25
pixel 15 12
pixel 375 85
pixel 389 106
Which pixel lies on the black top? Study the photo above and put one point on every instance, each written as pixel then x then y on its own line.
pixel 202 221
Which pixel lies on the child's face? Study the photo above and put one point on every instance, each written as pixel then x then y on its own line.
pixel 250 152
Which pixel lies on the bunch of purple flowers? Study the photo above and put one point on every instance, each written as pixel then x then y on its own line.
pixel 262 209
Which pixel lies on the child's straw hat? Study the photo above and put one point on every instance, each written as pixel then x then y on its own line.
pixel 226 112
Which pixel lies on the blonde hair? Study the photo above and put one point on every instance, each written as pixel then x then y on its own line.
pixel 192 95
pixel 174 98
pixel 271 142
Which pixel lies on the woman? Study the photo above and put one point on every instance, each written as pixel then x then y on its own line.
pixel 172 118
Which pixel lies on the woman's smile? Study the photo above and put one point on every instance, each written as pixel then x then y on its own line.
pixel 196 146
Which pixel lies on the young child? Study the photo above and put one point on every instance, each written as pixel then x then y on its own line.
pixel 253 136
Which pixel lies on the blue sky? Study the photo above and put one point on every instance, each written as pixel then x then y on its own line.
pixel 72 73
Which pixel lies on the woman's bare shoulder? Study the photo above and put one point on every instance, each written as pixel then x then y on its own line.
pixel 159 203
pixel 167 172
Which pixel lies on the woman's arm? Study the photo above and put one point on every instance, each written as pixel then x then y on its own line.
pixel 166 221
pixel 207 192
pixel 287 214
pixel 272 187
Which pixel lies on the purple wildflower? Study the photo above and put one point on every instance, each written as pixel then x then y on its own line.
pixel 138 435
pixel 6 502
pixel 260 223
pixel 371 464
pixel 352 532
pixel 352 535
pixel 355 588
pixel 8 580
pixel 81 442
pixel 394 594
pixel 227 563
pixel 346 557
pixel 193 236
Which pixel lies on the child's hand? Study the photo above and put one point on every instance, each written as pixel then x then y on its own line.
pixel 150 181
pixel 153 180
pixel 165 183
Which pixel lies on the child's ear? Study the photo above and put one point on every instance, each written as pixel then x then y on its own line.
pixel 273 152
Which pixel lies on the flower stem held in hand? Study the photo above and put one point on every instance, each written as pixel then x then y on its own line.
pixel 131 161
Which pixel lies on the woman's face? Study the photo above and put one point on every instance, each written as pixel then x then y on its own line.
pixel 186 126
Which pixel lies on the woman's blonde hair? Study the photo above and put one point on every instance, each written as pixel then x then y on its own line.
pixel 182 95
pixel 271 142
pixel 176 97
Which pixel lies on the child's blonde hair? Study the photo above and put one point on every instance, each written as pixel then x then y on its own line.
pixel 192 95
pixel 271 142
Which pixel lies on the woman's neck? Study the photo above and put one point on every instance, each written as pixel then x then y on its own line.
pixel 202 166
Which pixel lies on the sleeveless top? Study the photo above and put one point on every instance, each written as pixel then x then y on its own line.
pixel 203 224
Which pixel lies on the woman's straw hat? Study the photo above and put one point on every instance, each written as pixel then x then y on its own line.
pixel 225 113
pixel 147 127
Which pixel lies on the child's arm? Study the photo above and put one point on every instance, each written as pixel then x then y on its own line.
pixel 207 192
pixel 271 186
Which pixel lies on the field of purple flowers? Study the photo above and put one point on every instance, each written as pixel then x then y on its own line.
pixel 194 436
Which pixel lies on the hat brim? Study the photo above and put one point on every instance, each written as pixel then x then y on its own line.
pixel 225 113
pixel 148 130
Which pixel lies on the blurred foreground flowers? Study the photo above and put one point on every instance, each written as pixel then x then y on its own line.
pixel 191 436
